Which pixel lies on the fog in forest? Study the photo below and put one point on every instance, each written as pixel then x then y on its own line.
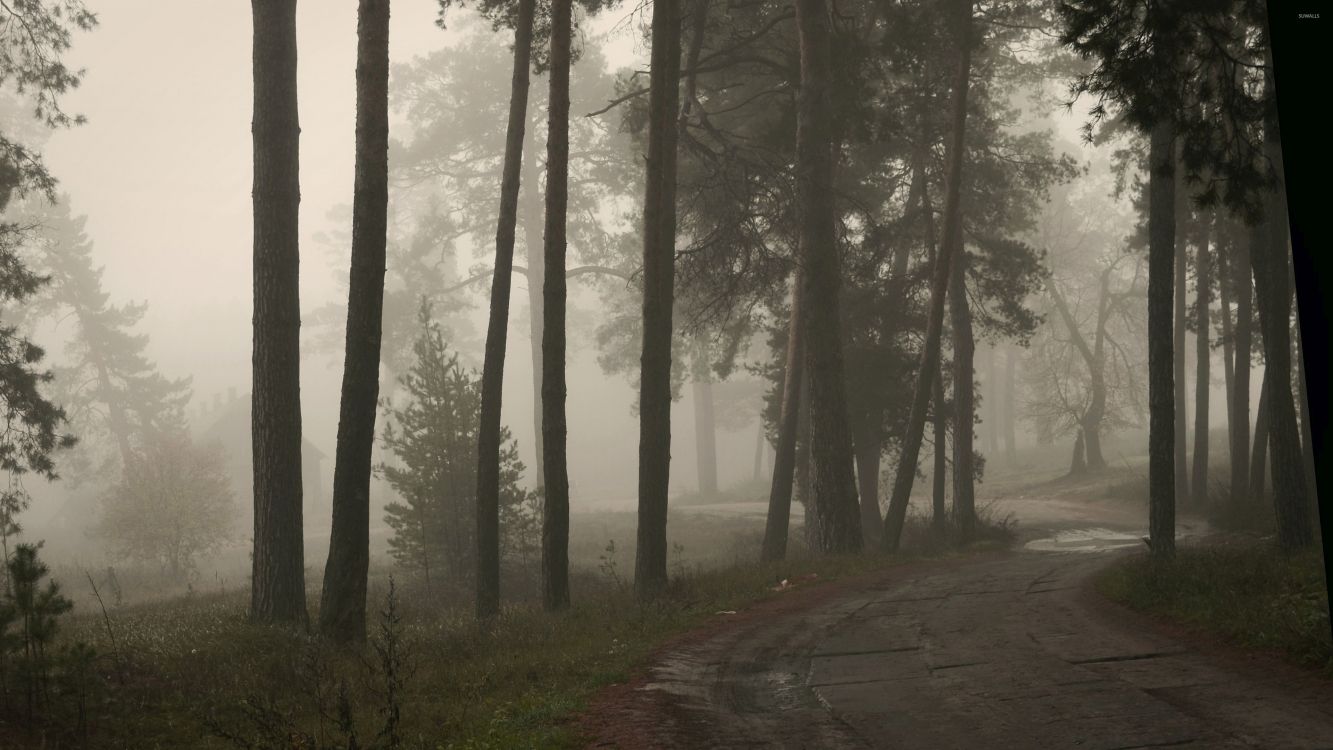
pixel 129 242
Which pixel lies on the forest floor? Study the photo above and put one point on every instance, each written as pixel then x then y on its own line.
pixel 1010 649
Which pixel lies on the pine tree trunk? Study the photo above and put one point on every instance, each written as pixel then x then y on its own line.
pixel 758 447
pixel 992 405
pixel 1225 244
pixel 1178 341
pixel 939 477
pixel 1273 284
pixel 555 516
pixel 1303 404
pixel 659 249
pixel 1161 360
pixel 1240 394
pixel 867 446
pixel 1259 455
pixel 1204 274
pixel 784 462
pixel 278 572
pixel 804 488
pixel 342 611
pixel 964 396
pixel 952 247
pixel 834 485
pixel 497 330
pixel 536 278
pixel 705 437
pixel 1010 407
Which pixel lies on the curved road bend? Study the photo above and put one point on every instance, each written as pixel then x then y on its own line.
pixel 1008 651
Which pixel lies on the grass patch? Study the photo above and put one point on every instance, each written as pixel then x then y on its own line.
pixel 1251 595
pixel 182 672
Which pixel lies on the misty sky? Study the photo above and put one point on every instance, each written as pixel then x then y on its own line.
pixel 162 170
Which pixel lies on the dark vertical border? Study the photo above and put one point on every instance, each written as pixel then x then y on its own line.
pixel 1301 39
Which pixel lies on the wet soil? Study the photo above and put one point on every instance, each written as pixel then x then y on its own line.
pixel 1001 650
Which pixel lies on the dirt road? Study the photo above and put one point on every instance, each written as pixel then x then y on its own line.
pixel 1010 650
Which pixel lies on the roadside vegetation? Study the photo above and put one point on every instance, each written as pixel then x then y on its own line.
pixel 1246 592
pixel 190 671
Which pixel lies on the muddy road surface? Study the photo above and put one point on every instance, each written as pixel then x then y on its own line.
pixel 1004 650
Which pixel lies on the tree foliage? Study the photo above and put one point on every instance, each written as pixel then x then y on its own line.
pixel 170 507
pixel 433 439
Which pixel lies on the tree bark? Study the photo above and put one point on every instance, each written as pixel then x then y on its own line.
pixel 804 488
pixel 867 446
pixel 555 517
pixel 278 570
pixel 705 436
pixel 758 447
pixel 1240 394
pixel 1303 406
pixel 1225 245
pixel 939 477
pixel 1204 274
pixel 659 250
pixel 1161 360
pixel 784 462
pixel 1010 408
pixel 536 278
pixel 497 329
pixel 964 397
pixel 1273 286
pixel 834 485
pixel 342 611
pixel 992 405
pixel 1078 463
pixel 1178 342
pixel 1259 455
pixel 951 247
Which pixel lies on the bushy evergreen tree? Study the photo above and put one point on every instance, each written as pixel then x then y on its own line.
pixel 434 439
pixel 116 399
pixel 36 34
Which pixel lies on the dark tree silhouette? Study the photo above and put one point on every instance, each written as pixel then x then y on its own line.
pixel 784 462
pixel 555 517
pixel 1203 300
pixel 492 377
pixel 1179 305
pixel 1240 280
pixel 952 246
pixel 1161 398
pixel 659 249
pixel 278 577
pixel 342 611
pixel 1272 280
pixel 833 484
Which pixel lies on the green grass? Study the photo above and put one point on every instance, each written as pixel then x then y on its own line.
pixel 1250 595
pixel 171 674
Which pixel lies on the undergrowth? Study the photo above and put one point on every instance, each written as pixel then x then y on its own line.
pixel 192 672
pixel 1248 594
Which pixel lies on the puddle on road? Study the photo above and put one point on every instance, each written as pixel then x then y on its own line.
pixel 1100 539
pixel 1087 540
